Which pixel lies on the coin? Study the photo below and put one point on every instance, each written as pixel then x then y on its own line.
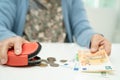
pixel 43 60
pixel 51 59
pixel 63 60
pixel 44 63
pixel 54 65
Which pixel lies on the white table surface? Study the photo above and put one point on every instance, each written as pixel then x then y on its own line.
pixel 60 51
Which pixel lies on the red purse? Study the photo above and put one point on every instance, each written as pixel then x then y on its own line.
pixel 27 57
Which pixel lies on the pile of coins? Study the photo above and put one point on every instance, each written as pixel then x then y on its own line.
pixel 50 61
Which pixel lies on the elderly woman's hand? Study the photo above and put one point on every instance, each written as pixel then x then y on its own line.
pixel 13 42
pixel 97 41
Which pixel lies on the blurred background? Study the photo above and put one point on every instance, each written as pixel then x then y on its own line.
pixel 104 16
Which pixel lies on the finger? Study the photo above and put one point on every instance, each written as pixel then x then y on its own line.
pixel 101 46
pixel 18 46
pixel 3 54
pixel 10 45
pixel 95 46
pixel 107 46
pixel 96 42
pixel 0 52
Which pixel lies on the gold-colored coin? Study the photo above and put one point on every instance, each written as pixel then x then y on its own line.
pixel 43 65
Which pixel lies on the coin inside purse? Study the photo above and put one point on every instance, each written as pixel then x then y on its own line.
pixel 28 56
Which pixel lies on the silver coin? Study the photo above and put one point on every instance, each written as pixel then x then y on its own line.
pixel 54 65
pixel 51 59
pixel 63 60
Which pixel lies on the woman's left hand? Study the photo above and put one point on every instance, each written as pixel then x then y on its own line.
pixel 97 41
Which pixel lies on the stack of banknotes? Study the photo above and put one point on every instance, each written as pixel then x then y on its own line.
pixel 94 62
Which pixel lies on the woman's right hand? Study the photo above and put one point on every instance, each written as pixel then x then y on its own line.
pixel 13 42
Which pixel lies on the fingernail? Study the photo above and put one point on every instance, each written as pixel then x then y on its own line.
pixel 17 52
pixel 3 61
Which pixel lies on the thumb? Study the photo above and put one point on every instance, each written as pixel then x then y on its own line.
pixel 3 55
pixel 94 46
pixel 96 42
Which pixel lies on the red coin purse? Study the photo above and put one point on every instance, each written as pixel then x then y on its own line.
pixel 28 57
